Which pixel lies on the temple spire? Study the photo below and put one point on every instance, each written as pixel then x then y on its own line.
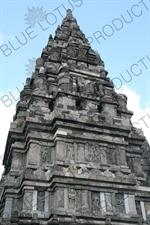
pixel 72 154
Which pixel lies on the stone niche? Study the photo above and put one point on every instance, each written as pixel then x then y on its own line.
pixel 72 197
pixel 45 155
pixel 27 200
pixel 119 203
pixel 59 197
pixel 83 199
pixel 40 200
pixel 95 201
pixel 33 155
pixel 70 151
pixel 17 161
pixel 60 150
pixel 95 153
pixel 134 164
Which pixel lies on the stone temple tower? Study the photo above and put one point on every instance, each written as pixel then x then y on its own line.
pixel 72 155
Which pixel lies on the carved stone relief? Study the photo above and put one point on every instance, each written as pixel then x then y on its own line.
pixel 16 160
pixel 71 198
pixel 82 52
pixel 112 156
pixel 96 208
pixel 45 155
pixel 54 54
pixel 108 199
pixel 85 87
pixel 40 84
pixel 120 207
pixel 71 51
pixel 40 200
pixel 59 197
pixel 51 67
pixel 96 153
pixel 70 151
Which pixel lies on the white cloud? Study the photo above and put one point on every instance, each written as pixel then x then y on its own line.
pixel 6 116
pixel 141 117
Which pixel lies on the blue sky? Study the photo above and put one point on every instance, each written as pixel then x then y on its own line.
pixel 122 47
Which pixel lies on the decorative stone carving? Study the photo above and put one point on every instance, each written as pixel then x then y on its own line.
pixel 64 79
pixel 108 173
pixel 112 156
pixel 69 17
pixel 66 31
pixel 33 156
pixel 103 152
pixel 71 52
pixel 72 198
pixel 108 221
pixel 146 160
pixel 40 173
pixel 98 59
pixel 51 67
pixel 40 83
pixel 85 87
pixel 82 52
pixel 59 197
pixel 15 160
pixel 54 220
pixel 122 99
pixel 96 208
pixel 108 94
pixel 40 200
pixel 130 163
pixel 55 53
pixel 28 81
pixel 85 200
pixel 120 207
pixel 70 150
pixel 96 172
pixel 35 220
pixel 11 181
pixel 90 155
pixel 19 123
pixel 50 40
pixel 43 156
pixel 96 153
pixel 108 199
pixel 39 62
pixel 99 89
